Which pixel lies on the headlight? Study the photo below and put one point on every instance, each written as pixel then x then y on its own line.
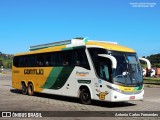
pixel 110 87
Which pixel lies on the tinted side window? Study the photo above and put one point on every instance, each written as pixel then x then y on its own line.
pixel 95 51
pixel 75 57
pixel 16 61
pixel 80 58
pixel 101 65
pixel 67 58
pixel 54 59
pixel 103 68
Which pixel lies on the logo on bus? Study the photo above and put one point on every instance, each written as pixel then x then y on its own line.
pixel 102 95
pixel 34 71
pixel 82 73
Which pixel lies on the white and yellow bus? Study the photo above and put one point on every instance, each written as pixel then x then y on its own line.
pixel 86 69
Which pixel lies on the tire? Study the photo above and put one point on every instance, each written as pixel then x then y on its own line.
pixel 85 97
pixel 24 89
pixel 30 89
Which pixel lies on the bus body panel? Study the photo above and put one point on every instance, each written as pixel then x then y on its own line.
pixel 77 78
pixel 30 74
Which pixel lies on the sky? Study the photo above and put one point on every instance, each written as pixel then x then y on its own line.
pixel 24 23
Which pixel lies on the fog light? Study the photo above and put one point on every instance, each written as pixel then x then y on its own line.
pixel 115 97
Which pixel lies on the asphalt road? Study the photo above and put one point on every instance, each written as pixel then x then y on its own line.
pixel 12 100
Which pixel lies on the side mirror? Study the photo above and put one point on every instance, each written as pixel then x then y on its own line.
pixel 112 58
pixel 147 61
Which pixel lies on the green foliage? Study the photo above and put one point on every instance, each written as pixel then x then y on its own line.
pixel 155 81
pixel 6 60
pixel 143 64
pixel 155 60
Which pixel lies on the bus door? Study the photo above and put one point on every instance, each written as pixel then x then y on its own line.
pixel 103 69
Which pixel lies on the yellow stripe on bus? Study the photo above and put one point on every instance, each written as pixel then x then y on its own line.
pixel 50 49
pixel 111 46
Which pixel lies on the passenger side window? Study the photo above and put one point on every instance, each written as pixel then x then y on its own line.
pixel 104 71
pixel 67 58
pixel 103 68
pixel 80 58
pixel 47 59
pixel 40 60
pixel 76 57
pixel 54 59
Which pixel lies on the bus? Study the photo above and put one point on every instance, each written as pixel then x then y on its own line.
pixel 85 69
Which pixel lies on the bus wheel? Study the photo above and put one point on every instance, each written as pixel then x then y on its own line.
pixel 85 96
pixel 30 89
pixel 24 89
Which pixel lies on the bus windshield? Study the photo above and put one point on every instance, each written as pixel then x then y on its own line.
pixel 128 71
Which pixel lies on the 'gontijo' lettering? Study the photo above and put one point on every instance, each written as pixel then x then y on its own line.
pixel 34 71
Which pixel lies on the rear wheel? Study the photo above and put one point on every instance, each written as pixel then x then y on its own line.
pixel 85 96
pixel 24 89
pixel 30 89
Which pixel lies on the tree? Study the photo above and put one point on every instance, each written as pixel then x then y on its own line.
pixel 154 59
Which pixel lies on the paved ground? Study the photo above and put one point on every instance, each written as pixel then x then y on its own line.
pixel 13 100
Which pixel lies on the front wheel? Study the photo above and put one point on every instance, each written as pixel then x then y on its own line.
pixel 30 89
pixel 85 96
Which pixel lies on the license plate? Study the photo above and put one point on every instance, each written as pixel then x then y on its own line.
pixel 132 97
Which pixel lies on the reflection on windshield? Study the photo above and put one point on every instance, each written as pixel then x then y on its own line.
pixel 128 69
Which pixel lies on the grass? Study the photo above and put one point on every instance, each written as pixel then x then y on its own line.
pixel 148 80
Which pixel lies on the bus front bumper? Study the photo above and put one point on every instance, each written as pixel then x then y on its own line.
pixel 121 97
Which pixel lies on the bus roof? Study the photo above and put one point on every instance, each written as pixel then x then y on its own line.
pixel 69 44
pixel 109 46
